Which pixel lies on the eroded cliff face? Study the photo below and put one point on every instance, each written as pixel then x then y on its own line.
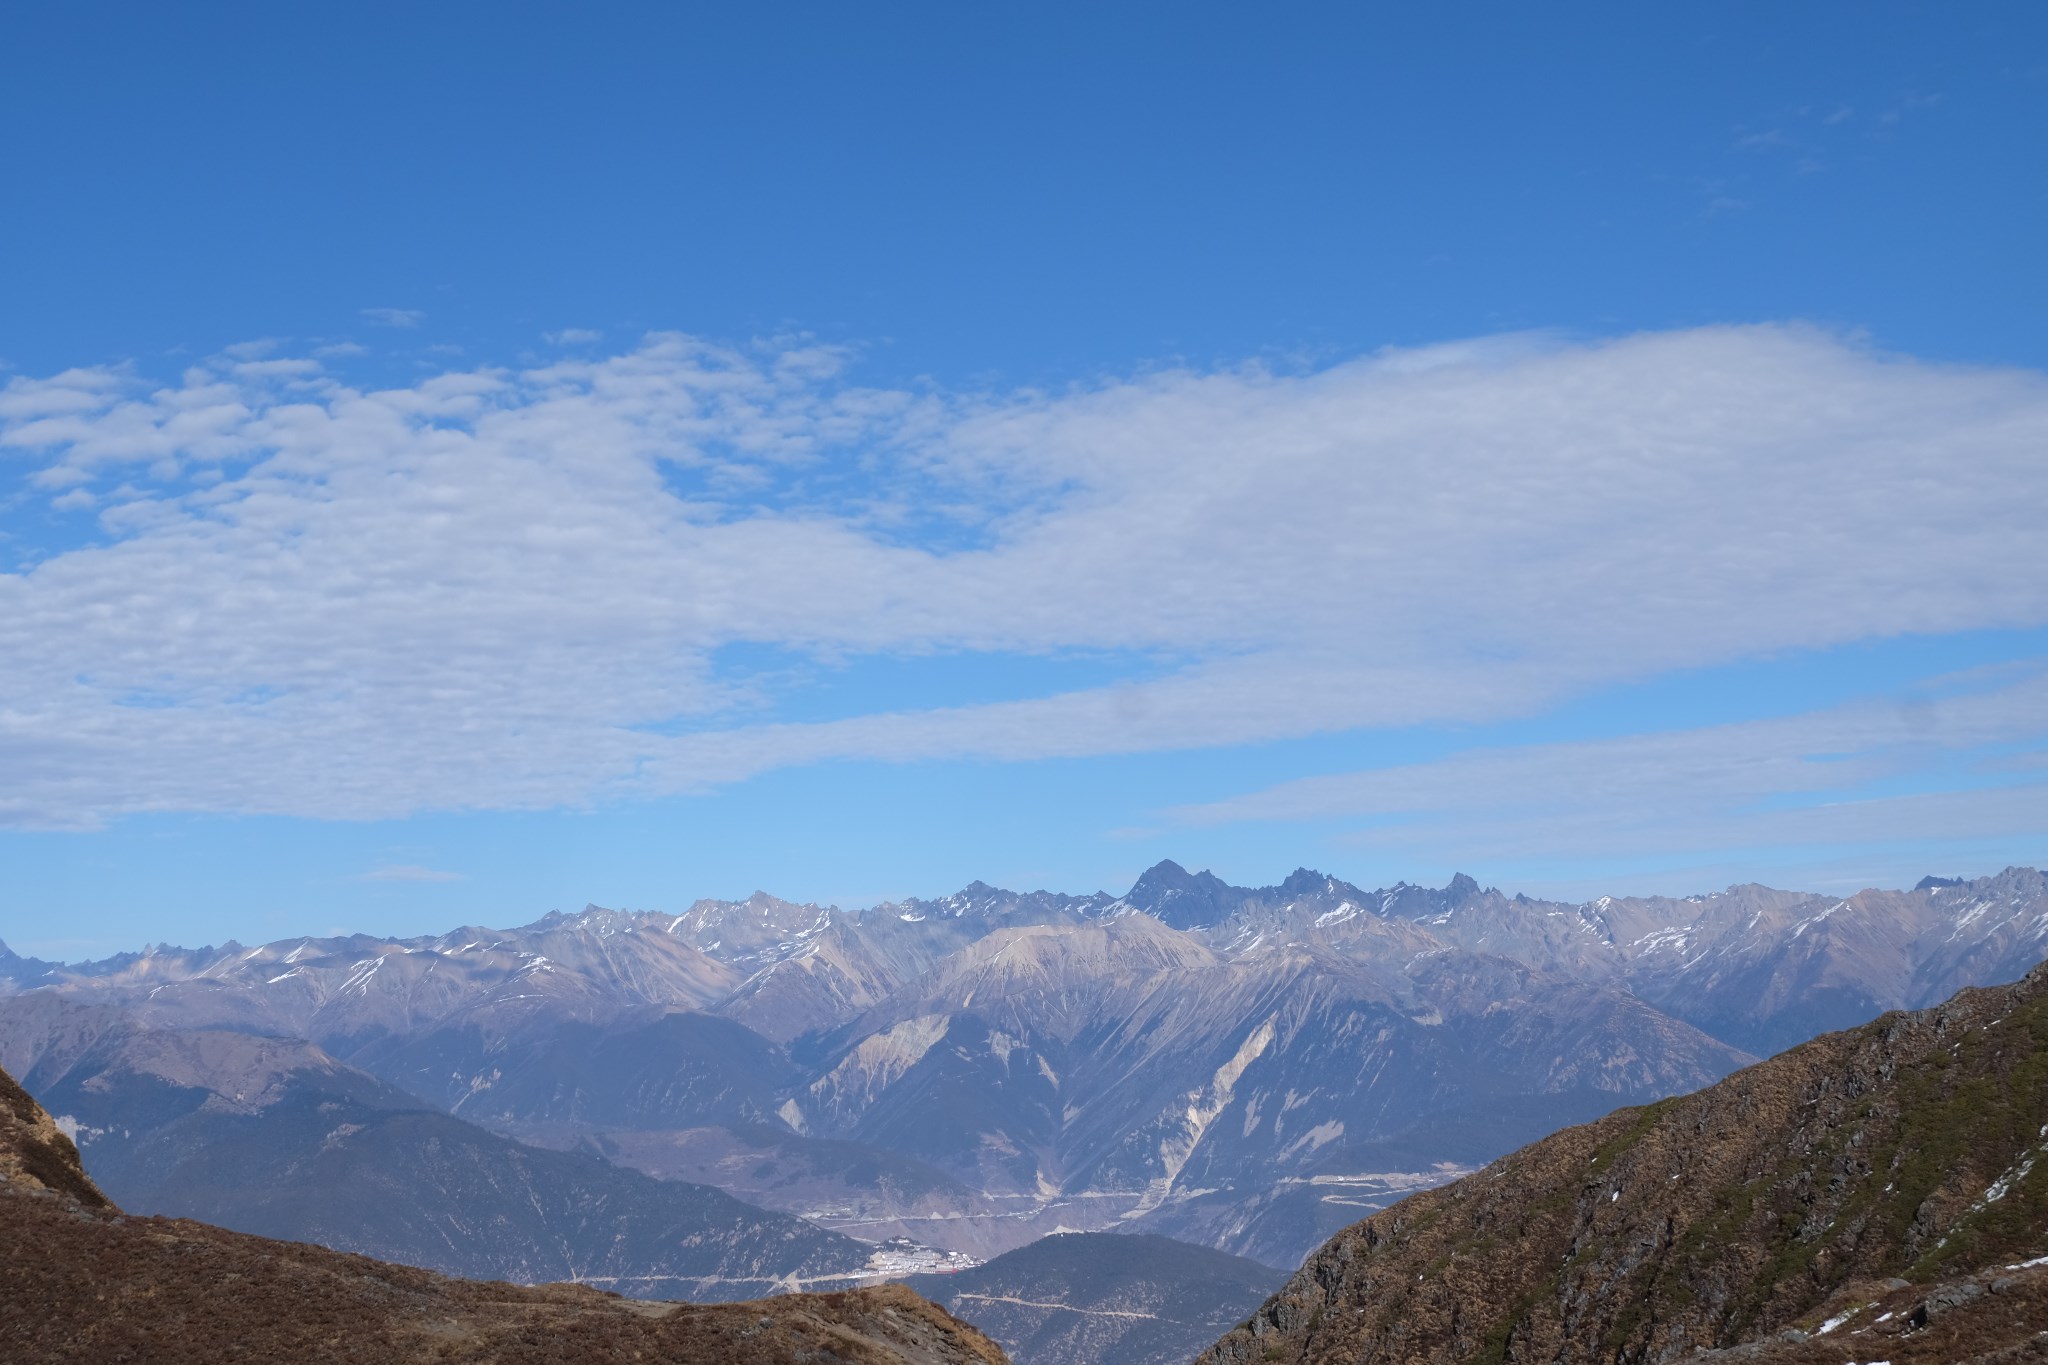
pixel 1871 1171
pixel 81 1282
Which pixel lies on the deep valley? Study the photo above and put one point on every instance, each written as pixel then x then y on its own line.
pixel 758 1097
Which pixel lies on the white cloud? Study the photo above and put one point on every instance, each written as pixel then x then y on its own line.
pixel 509 588
pixel 394 317
pixel 407 872
pixel 574 336
pixel 1820 777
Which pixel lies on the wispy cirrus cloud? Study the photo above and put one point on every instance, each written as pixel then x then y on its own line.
pixel 1954 760
pixel 408 872
pixel 523 588
pixel 394 317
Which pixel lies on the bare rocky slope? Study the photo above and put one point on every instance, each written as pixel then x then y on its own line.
pixel 81 1282
pixel 1879 1194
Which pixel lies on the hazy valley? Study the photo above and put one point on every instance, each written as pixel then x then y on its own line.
pixel 83 1281
pixel 755 1096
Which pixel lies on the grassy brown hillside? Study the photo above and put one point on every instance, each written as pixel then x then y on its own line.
pixel 1887 1184
pixel 81 1282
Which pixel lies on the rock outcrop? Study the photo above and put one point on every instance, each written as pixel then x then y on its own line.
pixel 35 1155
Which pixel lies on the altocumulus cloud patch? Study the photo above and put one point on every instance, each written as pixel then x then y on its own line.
pixel 505 588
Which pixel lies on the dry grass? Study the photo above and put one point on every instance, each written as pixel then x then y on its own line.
pixel 79 1282
pixel 1761 1205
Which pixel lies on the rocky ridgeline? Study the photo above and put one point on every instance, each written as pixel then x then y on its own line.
pixel 81 1282
pixel 1875 1195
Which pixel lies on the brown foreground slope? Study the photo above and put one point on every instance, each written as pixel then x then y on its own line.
pixel 81 1282
pixel 1874 1195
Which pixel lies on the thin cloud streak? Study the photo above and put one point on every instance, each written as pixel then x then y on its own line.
pixel 1825 777
pixel 408 872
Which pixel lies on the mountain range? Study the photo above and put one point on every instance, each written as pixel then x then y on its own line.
pixel 1247 1069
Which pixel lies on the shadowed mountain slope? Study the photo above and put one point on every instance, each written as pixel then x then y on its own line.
pixel 1892 1169
pixel 271 1136
pixel 1088 1298
pixel 646 1069
pixel 1151 1080
pixel 81 1282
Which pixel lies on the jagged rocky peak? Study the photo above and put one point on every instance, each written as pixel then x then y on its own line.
pixel 2013 882
pixel 1307 884
pixel 1937 883
pixel 976 895
pixel 1425 902
pixel 591 917
pixel 759 910
pixel 995 905
pixel 1186 900
pixel 556 918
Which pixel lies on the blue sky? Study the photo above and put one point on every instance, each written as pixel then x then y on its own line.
pixel 461 461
